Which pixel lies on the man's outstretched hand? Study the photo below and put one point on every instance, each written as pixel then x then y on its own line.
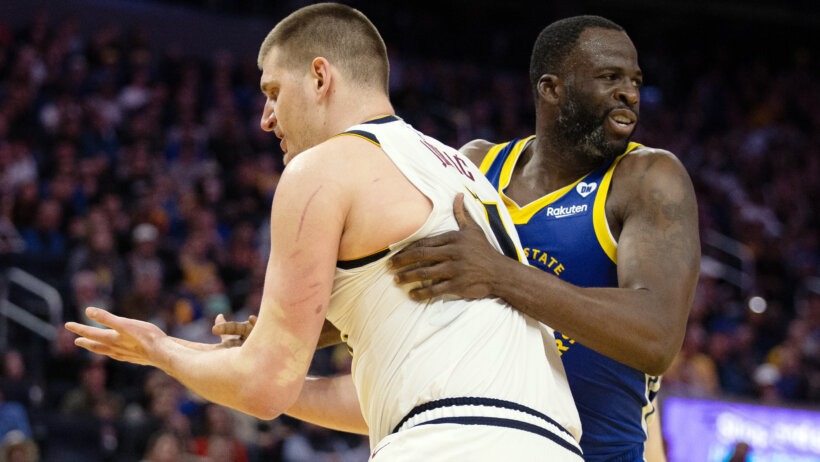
pixel 457 262
pixel 233 333
pixel 125 339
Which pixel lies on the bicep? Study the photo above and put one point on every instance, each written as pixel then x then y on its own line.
pixel 306 225
pixel 659 248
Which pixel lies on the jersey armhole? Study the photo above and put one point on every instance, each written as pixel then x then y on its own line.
pixel 602 230
pixel 489 158
pixel 362 261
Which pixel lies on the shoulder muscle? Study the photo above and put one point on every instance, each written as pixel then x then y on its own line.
pixel 475 150
pixel 658 210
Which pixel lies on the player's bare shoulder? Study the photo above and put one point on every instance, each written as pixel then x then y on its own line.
pixel 347 159
pixel 475 150
pixel 647 179
pixel 336 168
pixel 646 167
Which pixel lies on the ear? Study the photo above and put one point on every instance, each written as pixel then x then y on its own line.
pixel 321 76
pixel 550 88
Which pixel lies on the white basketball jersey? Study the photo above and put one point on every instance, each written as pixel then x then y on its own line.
pixel 471 354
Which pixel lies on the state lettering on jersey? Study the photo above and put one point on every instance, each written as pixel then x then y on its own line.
pixel 450 160
pixel 543 260
pixel 562 343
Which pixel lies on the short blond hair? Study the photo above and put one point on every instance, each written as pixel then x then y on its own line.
pixel 339 33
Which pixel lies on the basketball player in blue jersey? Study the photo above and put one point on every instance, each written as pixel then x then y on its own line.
pixel 610 225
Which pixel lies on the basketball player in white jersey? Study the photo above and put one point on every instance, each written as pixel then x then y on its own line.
pixel 440 380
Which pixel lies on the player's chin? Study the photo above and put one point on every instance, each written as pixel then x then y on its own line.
pixel 612 148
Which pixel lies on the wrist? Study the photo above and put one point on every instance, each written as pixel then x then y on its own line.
pixel 164 349
pixel 499 282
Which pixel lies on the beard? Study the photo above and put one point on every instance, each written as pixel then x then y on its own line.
pixel 581 130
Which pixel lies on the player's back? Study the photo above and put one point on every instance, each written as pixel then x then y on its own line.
pixel 475 366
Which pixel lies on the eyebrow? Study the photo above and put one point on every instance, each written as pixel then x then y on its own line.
pixel 618 68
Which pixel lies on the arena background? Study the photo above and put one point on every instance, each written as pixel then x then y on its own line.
pixel 133 176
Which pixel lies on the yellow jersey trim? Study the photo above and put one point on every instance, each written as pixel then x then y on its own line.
pixel 489 158
pixel 602 231
pixel 506 169
pixel 522 215
pixel 356 134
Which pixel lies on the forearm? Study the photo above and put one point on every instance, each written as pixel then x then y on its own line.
pixel 330 402
pixel 229 377
pixel 627 325
pixel 195 345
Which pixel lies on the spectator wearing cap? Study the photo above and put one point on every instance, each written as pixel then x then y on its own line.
pixel 144 258
pixel 15 446
pixel 13 417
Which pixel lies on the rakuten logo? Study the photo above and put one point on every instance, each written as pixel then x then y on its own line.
pixel 561 212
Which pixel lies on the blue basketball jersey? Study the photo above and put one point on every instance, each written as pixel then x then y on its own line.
pixel 566 233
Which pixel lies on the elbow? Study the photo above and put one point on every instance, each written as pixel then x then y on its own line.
pixel 660 354
pixel 664 341
pixel 657 363
pixel 265 402
pixel 265 413
pixel 264 408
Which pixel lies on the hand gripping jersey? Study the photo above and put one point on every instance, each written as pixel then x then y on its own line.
pixel 566 233
pixel 467 365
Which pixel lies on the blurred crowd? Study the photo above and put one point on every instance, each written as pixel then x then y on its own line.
pixel 138 181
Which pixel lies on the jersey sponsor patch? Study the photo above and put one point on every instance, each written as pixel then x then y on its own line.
pixel 563 212
pixel 585 189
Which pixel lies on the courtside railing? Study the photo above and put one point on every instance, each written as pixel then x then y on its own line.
pixel 9 311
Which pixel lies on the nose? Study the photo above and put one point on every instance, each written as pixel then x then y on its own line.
pixel 628 93
pixel 268 121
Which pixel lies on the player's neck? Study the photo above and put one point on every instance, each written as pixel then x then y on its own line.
pixel 549 165
pixel 356 108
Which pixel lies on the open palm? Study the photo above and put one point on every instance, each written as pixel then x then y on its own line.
pixel 125 339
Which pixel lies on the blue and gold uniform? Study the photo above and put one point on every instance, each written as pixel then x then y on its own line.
pixel 566 233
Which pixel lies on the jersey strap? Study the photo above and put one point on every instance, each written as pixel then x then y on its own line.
pixel 490 157
pixel 602 232
pixel 362 134
pixel 367 135
pixel 382 120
